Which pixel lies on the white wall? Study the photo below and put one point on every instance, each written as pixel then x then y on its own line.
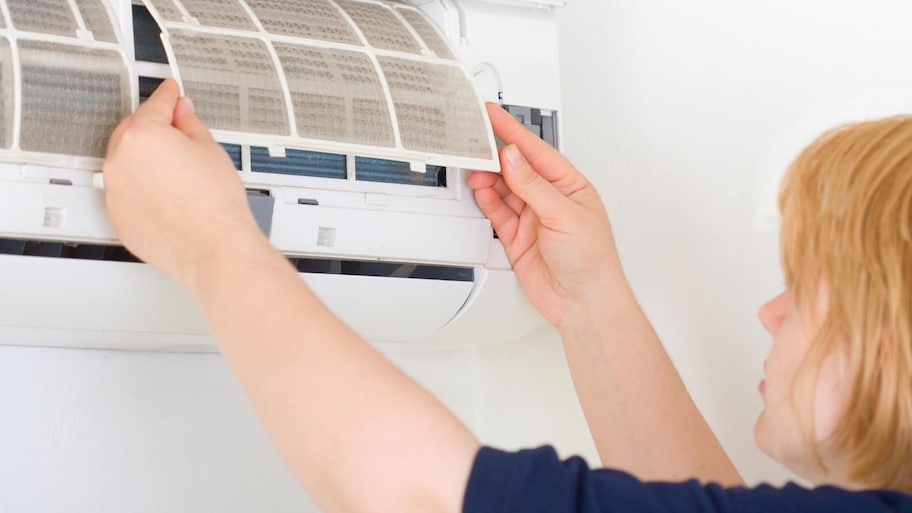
pixel 100 431
pixel 88 431
pixel 684 114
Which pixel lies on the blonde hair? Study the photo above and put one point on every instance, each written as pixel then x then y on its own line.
pixel 846 205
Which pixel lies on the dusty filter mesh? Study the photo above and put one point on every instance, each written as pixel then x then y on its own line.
pixel 72 98
pixel 74 89
pixel 97 20
pixel 380 26
pixel 219 13
pixel 336 94
pixel 317 19
pixel 372 78
pixel 43 16
pixel 6 94
pixel 167 10
pixel 232 81
pixel 428 33
pixel 436 108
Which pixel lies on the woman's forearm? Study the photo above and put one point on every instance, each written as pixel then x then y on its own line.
pixel 640 415
pixel 357 432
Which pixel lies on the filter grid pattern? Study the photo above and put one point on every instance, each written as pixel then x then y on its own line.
pixel 7 112
pixel 368 77
pixel 436 108
pixel 380 26
pixel 97 20
pixel 315 19
pixel 232 81
pixel 219 13
pixel 337 95
pixel 166 9
pixel 432 39
pixel 73 88
pixel 43 16
pixel 65 108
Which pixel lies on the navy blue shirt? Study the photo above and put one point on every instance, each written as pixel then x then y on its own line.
pixel 537 481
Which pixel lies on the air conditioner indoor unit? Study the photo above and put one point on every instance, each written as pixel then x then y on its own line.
pixel 351 123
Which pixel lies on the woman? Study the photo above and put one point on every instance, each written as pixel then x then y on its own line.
pixel 361 436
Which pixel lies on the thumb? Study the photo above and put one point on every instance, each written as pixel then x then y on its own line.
pixel 539 194
pixel 186 120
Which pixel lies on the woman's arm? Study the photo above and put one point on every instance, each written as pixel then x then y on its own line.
pixel 558 237
pixel 356 432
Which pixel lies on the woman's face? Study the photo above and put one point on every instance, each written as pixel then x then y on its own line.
pixel 792 400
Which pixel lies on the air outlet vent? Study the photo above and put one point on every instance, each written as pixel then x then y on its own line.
pixel 70 250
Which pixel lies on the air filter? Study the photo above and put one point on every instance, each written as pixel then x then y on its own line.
pixel 368 78
pixel 64 81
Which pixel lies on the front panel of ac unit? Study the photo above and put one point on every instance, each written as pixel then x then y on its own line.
pixel 381 235
pixel 103 304
pixel 77 214
pixel 499 305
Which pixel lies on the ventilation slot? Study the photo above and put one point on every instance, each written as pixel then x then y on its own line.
pixel 391 171
pixel 147 86
pixel 65 250
pixel 297 162
pixel 384 269
pixel 234 152
pixel 53 249
pixel 147 37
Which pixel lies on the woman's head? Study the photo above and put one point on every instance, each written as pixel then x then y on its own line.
pixel 838 404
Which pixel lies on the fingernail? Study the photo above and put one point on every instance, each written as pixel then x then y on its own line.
pixel 189 104
pixel 514 157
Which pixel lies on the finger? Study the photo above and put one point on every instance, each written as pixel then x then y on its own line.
pixel 550 163
pixel 538 194
pixel 504 221
pixel 481 179
pixel 152 109
pixel 508 196
pixel 186 120
pixel 159 108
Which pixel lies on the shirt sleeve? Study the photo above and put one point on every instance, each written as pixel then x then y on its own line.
pixel 537 481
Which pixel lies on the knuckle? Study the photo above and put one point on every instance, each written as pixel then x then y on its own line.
pixel 132 133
